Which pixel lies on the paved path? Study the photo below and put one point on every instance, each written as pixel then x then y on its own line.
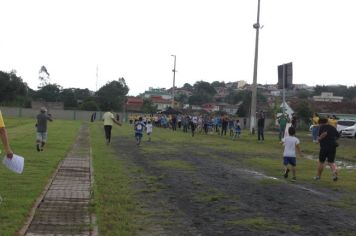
pixel 64 209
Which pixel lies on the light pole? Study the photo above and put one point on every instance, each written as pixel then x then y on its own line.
pixel 254 85
pixel 174 80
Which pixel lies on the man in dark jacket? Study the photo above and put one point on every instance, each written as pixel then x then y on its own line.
pixel 327 139
pixel 261 127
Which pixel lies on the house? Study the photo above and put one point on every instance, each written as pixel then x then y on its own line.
pixel 327 97
pixel 162 92
pixel 134 104
pixel 161 103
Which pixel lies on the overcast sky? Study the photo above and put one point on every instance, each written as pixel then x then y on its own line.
pixel 213 40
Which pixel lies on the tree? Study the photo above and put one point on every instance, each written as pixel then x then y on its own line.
pixel 112 95
pixel 202 87
pixel 148 107
pixel 303 111
pixel 89 105
pixel 43 76
pixel 188 87
pixel 216 84
pixel 13 91
pixel 69 99
pixel 49 93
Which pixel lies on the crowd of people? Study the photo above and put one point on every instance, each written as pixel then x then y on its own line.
pixel 323 132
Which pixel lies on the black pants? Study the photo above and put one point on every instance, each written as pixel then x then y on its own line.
pixel 107 129
pixel 260 133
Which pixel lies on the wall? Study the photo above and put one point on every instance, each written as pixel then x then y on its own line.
pixel 56 114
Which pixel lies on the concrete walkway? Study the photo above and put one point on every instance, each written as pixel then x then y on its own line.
pixel 64 208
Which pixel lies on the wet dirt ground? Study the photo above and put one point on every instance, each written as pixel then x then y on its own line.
pixel 195 190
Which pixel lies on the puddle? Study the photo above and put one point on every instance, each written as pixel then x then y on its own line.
pixel 348 165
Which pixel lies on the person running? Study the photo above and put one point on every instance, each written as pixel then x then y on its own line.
pixel 149 129
pixel 4 138
pixel 327 139
pixel 139 126
pixel 109 121
pixel 41 137
pixel 291 145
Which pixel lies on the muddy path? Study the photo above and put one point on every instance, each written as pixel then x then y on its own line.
pixel 192 190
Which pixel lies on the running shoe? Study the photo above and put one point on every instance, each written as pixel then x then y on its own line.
pixel 286 173
pixel 317 178
pixel 335 178
pixel 294 179
pixel 38 147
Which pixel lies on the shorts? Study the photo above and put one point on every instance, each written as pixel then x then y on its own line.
pixel 138 135
pixel 41 136
pixel 290 160
pixel 327 154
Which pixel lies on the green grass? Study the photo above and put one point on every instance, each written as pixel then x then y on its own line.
pixel 19 192
pixel 176 164
pixel 263 224
pixel 114 201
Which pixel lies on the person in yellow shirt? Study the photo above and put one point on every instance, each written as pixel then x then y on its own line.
pixel 4 138
pixel 315 129
pixel 332 121
pixel 109 121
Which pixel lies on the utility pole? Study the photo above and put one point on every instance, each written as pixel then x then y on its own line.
pixel 174 80
pixel 254 85
pixel 97 77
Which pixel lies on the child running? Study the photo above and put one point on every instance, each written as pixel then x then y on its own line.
pixel 291 144
pixel 139 125
pixel 149 128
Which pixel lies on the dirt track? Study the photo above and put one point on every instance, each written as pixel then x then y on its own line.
pixel 207 196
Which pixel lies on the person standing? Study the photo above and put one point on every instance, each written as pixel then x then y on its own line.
pixel 237 129
pixel 291 145
pixel 282 121
pixel 224 123
pixel 327 140
pixel 41 137
pixel 315 128
pixel 261 127
pixel 4 138
pixel 109 121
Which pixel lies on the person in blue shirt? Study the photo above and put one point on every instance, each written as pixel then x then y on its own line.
pixel 139 126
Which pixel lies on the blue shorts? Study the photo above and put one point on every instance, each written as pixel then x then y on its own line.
pixel 290 160
pixel 138 135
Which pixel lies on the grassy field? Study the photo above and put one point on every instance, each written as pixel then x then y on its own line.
pixel 118 210
pixel 19 192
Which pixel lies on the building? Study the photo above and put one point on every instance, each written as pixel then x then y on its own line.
pixel 161 92
pixel 134 104
pixel 161 103
pixel 327 97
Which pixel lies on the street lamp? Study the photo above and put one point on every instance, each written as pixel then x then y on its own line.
pixel 254 85
pixel 174 80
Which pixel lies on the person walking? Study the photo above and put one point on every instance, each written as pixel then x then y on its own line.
pixel 109 121
pixel 328 144
pixel 4 138
pixel 41 125
pixel 291 147
pixel 261 127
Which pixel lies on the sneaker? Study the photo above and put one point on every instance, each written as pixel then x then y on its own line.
pixel 286 173
pixel 38 147
pixel 294 179
pixel 317 178
pixel 335 178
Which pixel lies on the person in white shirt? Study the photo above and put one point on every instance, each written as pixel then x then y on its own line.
pixel 291 146
pixel 149 129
